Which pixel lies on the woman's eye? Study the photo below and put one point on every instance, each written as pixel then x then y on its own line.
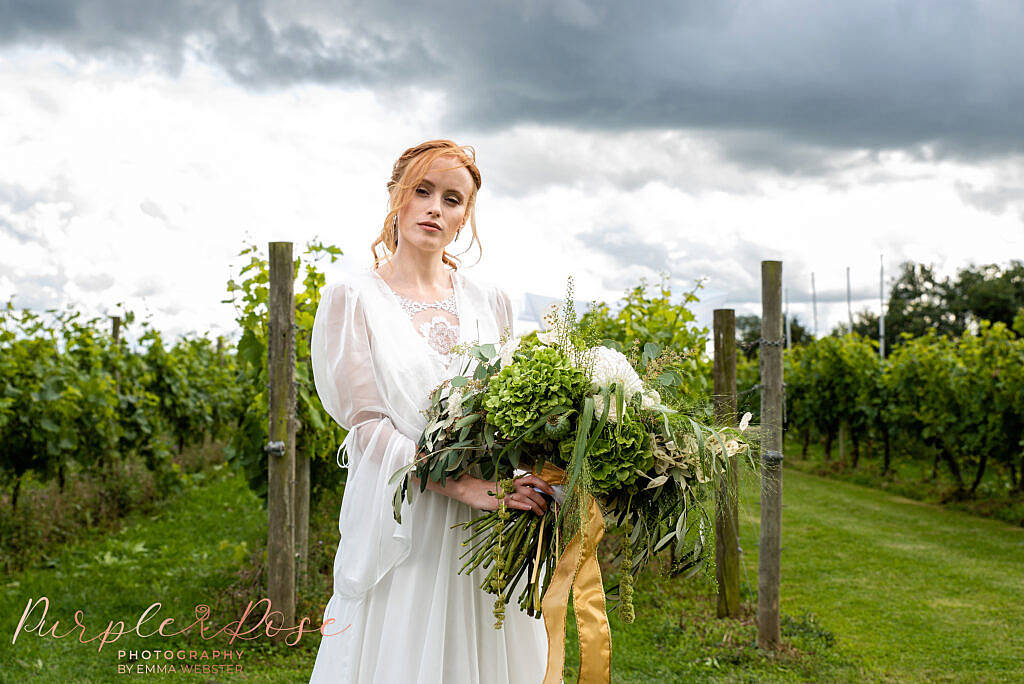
pixel 454 201
pixel 421 191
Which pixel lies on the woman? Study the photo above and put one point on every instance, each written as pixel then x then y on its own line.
pixel 381 342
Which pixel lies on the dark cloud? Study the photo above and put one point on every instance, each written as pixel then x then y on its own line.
pixel 682 257
pixel 148 287
pixel 625 248
pixel 734 269
pixel 95 282
pixel 22 236
pixel 781 83
pixel 36 291
pixel 151 208
pixel 994 199
pixel 17 204
pixel 43 101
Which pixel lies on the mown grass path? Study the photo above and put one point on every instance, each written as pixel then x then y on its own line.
pixel 181 555
pixel 911 592
pixel 918 593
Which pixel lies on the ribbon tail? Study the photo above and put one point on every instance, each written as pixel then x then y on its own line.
pixel 554 607
pixel 589 604
pixel 579 571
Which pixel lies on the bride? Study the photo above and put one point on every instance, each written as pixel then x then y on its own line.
pixel 381 341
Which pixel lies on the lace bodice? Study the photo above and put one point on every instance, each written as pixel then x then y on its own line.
pixel 440 334
pixel 440 331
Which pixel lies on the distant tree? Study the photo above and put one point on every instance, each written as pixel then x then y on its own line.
pixel 865 324
pixel 988 293
pixel 919 301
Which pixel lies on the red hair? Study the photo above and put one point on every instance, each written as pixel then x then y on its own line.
pixel 408 173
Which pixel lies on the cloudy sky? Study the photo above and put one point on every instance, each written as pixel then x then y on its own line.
pixel 143 144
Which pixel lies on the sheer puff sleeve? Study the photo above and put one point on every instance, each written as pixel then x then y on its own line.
pixel 345 373
pixel 504 312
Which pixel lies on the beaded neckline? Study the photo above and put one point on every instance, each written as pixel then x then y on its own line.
pixel 438 333
pixel 413 307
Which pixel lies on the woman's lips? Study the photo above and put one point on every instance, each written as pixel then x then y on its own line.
pixel 427 226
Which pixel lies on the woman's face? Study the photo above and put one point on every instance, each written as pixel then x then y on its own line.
pixel 438 207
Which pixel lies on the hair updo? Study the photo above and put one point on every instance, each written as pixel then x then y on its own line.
pixel 408 173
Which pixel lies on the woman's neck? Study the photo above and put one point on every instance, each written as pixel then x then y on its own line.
pixel 421 273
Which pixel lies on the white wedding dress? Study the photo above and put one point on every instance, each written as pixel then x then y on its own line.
pixel 401 611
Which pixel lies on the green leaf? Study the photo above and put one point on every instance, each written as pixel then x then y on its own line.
pixel 579 451
pixel 651 351
pixel 400 473
pixel 664 541
pixel 467 420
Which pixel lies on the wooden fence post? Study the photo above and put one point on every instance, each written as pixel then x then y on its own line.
pixel 301 516
pixel 115 333
pixel 769 554
pixel 727 543
pixel 844 434
pixel 281 449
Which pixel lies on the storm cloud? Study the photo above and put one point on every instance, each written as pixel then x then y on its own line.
pixel 781 84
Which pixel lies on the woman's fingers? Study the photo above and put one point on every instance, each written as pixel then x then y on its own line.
pixel 533 497
pixel 520 502
pixel 535 481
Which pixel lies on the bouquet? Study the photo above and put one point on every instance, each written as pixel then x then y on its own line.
pixel 591 420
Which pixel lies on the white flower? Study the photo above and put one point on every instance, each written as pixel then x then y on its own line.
pixel 745 421
pixel 507 350
pixel 455 397
pixel 549 338
pixel 613 415
pixel 611 366
pixel 650 399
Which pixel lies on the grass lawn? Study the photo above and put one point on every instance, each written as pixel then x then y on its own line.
pixel 915 591
pixel 874 588
pixel 181 555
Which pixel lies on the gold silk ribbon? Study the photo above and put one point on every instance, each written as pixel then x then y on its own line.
pixel 578 571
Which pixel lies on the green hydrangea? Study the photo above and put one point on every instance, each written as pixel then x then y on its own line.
pixel 527 344
pixel 617 454
pixel 526 390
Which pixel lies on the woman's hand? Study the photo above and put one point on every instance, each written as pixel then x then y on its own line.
pixel 477 493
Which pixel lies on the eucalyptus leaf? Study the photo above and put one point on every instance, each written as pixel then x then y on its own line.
pixel 657 482
pixel 664 541
pixel 400 473
pixel 467 420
